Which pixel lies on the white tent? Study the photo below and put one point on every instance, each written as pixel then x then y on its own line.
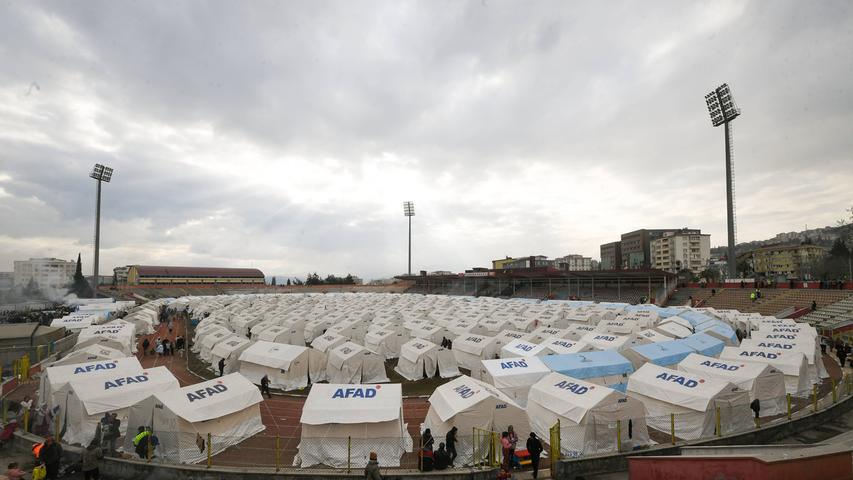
pixel 418 359
pixel 576 331
pixel 242 325
pixel 447 365
pixel 618 326
pixel 384 342
pixel 611 341
pixel 559 346
pixel 794 365
pixel 433 333
pixel 202 331
pixel 89 353
pixel 285 365
pixel 506 336
pixel 675 329
pixel 541 333
pixel 521 348
pixel 470 349
pixel 466 403
pixel 86 400
pixel 118 331
pixel 353 363
pixel 229 350
pixel 144 320
pixel 56 377
pixel 211 339
pixel 588 415
pixel 227 408
pixel 655 336
pixel 281 334
pixel 692 398
pixel 514 376
pixel 99 343
pixel 802 343
pixel 327 342
pixel 369 416
pixel 762 381
pixel 76 322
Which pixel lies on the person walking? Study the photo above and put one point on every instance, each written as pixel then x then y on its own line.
pixel 89 460
pixel 505 446
pixel 842 352
pixel 265 386
pixel 221 367
pixel 145 344
pixel 814 305
pixel 371 470
pixel 450 440
pixel 427 440
pixel 51 455
pixel 534 448
pixel 113 432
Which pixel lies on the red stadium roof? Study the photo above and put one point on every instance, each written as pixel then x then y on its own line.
pixel 155 271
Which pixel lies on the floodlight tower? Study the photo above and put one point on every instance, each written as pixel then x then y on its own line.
pixel 721 106
pixel 409 211
pixel 101 174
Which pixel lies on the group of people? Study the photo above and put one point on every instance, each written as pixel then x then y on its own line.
pixel 163 346
pixel 442 458
pixel 755 295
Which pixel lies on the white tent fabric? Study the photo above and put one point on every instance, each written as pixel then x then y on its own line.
pixel 610 341
pixel 803 343
pixel 202 331
pixel 514 376
pixel 618 326
pixel 470 349
pixel 76 322
pixel 520 348
pixel 506 336
pixel 559 346
pixel 760 380
pixel 674 329
pixel 285 365
pixel 576 331
pixel 211 340
pixel 794 365
pixel 371 416
pixel 541 333
pixel 229 350
pixel 692 398
pixel 384 342
pixel 466 403
pixel 327 342
pixel 447 365
pixel 227 408
pixel 281 334
pixel 56 377
pixel 588 415
pixel 89 353
pixel 118 331
pixel 355 364
pixel 418 360
pixel 86 400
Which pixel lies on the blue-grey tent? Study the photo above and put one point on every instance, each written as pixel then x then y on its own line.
pixel 721 330
pixel 604 367
pixel 704 344
pixel 664 354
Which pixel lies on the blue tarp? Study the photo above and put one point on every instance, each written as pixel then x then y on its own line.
pixel 704 344
pixel 589 364
pixel 722 329
pixel 664 353
pixel 668 312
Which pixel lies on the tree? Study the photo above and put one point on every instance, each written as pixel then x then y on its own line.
pixel 80 286
pixel 272 282
pixel 836 263
pixel 711 275
pixel 313 279
pixel 349 280
pixel 288 282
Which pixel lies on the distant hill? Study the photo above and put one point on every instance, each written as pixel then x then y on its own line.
pixel 824 237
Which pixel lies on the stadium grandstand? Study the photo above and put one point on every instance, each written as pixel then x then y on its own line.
pixel 630 286
pixel 157 275
pixel 778 302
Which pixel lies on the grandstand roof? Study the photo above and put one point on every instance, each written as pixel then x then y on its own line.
pixel 547 272
pixel 158 271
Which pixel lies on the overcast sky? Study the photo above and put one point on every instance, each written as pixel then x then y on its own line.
pixel 286 135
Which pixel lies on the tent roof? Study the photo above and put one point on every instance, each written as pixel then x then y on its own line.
pixel 352 404
pixel 589 364
pixel 704 344
pixel 62 374
pixel 515 367
pixel 473 344
pixel 463 393
pixel 522 348
pixel 664 353
pixel 273 355
pixel 231 344
pixel 733 371
pixel 414 348
pixel 654 336
pixel 562 345
pixel 212 399
pixel 107 393
pixel 570 397
pixel 678 388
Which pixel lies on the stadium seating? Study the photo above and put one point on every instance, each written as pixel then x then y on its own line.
pixel 772 301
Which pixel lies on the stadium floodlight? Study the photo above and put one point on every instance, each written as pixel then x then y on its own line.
pixel 101 174
pixel 722 108
pixel 409 211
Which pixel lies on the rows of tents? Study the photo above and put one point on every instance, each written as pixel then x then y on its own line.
pixel 598 369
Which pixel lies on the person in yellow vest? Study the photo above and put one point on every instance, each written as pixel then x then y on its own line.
pixel 140 442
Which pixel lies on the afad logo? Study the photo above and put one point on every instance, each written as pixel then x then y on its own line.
pixel 123 381
pixel 720 365
pixel 607 338
pixel 514 364
pixel 767 355
pixel 465 391
pixel 572 387
pixel 780 337
pixel 206 392
pixel 775 345
pixel 359 392
pixel 684 381
pixel 786 330
pixel 524 346
pixel 96 367
pixel 563 343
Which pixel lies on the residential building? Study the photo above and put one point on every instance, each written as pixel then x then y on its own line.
pixel 637 246
pixel 784 261
pixel 533 261
pixel 120 274
pixel 500 264
pixel 48 273
pixel 574 263
pixel 611 256
pixel 676 251
pixel 7 280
